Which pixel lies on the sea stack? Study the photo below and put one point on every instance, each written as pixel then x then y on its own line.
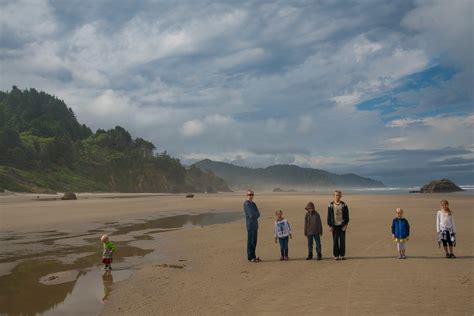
pixel 440 186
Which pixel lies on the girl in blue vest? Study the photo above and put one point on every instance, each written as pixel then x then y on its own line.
pixel 400 232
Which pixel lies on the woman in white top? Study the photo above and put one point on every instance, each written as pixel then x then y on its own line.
pixel 446 229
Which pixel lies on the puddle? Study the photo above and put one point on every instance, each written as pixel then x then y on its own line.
pixel 24 284
pixel 180 221
pixel 67 278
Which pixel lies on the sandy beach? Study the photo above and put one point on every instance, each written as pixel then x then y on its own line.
pixel 203 269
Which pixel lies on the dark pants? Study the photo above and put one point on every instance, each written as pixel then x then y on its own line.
pixel 283 246
pixel 251 244
pixel 317 239
pixel 339 241
pixel 447 240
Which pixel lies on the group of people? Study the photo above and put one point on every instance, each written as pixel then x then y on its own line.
pixel 338 220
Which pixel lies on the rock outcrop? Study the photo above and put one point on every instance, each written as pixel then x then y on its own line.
pixel 69 196
pixel 440 186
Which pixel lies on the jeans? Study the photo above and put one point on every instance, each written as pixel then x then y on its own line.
pixel 310 245
pixel 251 244
pixel 283 246
pixel 339 241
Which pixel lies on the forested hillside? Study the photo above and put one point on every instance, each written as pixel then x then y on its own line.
pixel 44 148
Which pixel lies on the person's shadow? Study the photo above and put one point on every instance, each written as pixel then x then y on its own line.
pixel 107 280
pixel 372 258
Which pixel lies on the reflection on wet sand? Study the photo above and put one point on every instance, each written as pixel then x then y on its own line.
pixel 22 284
pixel 107 280
pixel 43 281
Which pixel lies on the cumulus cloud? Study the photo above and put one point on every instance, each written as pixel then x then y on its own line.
pixel 192 128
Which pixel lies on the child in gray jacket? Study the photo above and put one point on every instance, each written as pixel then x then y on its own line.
pixel 313 230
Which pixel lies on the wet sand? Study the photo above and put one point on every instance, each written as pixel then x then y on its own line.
pixel 204 269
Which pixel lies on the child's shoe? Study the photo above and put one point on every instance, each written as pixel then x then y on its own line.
pixel 453 256
pixel 282 258
pixel 320 257
pixel 448 255
pixel 309 257
pixel 286 258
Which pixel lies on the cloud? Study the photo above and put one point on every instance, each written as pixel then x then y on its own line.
pixel 218 119
pixel 109 103
pixel 192 128
pixel 25 20
pixel 404 122
pixel 306 124
pixel 254 82
pixel 445 28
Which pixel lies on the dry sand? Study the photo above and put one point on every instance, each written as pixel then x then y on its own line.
pixel 205 270
pixel 217 279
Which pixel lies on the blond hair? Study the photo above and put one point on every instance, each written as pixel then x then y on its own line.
pixel 104 238
pixel 445 202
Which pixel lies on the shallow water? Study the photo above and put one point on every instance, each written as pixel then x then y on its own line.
pixel 82 286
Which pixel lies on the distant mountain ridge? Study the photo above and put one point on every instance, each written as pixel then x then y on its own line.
pixel 284 176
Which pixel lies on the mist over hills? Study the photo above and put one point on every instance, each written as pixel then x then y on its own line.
pixel 286 177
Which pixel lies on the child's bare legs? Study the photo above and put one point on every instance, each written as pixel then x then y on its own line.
pixel 401 250
pixel 451 251
pixel 446 249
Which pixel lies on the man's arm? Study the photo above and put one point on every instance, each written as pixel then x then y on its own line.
pixel 347 214
pixel 247 210
pixel 251 211
pixel 257 212
pixel 329 216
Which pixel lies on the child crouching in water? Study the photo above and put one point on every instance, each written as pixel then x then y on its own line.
pixel 109 248
pixel 282 233
pixel 400 232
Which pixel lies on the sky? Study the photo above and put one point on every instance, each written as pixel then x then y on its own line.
pixel 379 88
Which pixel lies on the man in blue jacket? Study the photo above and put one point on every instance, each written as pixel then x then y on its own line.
pixel 338 219
pixel 251 219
